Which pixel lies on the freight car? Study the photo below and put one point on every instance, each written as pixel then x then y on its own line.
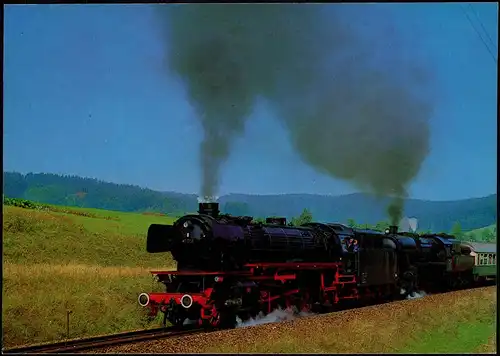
pixel 231 267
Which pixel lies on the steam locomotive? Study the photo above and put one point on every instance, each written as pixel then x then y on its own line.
pixel 231 267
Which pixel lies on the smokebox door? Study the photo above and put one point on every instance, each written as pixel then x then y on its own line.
pixel 160 238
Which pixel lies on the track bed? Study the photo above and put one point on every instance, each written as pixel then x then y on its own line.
pixel 91 343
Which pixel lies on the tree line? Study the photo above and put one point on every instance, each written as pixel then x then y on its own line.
pixel 82 192
pixel 482 235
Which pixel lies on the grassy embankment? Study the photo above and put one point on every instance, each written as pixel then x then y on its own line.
pixel 462 322
pixel 92 262
pixel 478 233
pixel 456 322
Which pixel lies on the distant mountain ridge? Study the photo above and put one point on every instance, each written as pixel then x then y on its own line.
pixel 86 192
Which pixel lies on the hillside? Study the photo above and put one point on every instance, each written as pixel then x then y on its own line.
pixel 91 262
pixel 91 193
pixel 480 234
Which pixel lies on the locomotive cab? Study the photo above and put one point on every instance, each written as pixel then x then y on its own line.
pixel 376 258
pixel 462 259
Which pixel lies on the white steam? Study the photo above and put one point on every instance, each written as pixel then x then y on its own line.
pixel 188 321
pixel 275 316
pixel 208 199
pixel 414 295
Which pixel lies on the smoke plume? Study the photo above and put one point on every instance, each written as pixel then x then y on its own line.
pixel 354 106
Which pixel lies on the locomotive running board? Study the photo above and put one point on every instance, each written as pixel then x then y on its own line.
pixel 251 266
pixel 294 265
pixel 199 273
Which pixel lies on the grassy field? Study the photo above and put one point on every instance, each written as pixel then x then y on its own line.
pixel 479 232
pixel 464 326
pixel 468 328
pixel 89 261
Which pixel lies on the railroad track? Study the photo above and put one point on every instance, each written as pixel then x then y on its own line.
pixel 96 342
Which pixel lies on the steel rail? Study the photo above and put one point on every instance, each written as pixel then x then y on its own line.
pixel 70 346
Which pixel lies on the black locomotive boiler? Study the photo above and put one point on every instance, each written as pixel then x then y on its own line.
pixel 232 267
pixel 213 242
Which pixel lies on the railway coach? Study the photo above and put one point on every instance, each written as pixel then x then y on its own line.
pixel 485 260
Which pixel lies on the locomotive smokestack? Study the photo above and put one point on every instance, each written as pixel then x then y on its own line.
pixel 393 229
pixel 211 209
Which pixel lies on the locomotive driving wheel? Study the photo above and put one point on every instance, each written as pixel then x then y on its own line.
pixel 214 320
pixel 174 314
pixel 410 282
pixel 222 319
pixel 304 304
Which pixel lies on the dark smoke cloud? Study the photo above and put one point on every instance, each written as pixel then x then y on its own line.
pixel 354 109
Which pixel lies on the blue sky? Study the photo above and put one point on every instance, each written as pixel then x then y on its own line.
pixel 85 93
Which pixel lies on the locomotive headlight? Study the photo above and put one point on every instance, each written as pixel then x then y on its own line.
pixel 186 301
pixel 143 299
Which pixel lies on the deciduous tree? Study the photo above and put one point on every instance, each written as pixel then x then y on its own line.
pixel 456 231
pixel 351 223
pixel 304 218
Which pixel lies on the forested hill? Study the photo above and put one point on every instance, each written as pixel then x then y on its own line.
pixel 92 193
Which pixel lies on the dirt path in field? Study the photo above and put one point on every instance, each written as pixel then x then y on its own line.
pixel 378 329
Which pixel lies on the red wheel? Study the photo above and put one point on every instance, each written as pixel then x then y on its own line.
pixel 215 318
pixel 222 320
pixel 304 305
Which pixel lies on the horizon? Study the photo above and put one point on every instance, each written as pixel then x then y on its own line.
pixel 249 194
pixel 116 115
